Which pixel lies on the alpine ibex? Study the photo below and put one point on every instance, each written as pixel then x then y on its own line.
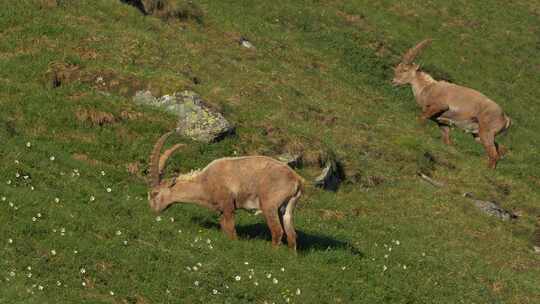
pixel 451 105
pixel 226 184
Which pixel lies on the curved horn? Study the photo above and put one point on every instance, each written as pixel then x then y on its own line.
pixel 154 160
pixel 163 158
pixel 413 52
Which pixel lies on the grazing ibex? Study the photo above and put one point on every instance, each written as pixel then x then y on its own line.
pixel 452 105
pixel 226 184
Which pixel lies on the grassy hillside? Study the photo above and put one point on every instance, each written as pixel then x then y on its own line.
pixel 76 226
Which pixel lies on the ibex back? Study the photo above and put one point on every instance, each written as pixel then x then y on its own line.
pixel 451 105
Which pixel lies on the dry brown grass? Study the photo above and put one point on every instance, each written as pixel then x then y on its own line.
pixel 94 117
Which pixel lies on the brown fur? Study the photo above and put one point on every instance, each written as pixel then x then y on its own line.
pixel 453 105
pixel 227 184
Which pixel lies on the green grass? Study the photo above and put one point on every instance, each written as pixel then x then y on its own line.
pixel 319 79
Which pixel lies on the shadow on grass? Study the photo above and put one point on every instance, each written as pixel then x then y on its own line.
pixel 305 241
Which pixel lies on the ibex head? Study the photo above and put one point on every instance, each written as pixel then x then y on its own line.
pixel 159 190
pixel 405 71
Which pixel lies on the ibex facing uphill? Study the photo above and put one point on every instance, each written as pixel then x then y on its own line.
pixel 452 105
pixel 227 184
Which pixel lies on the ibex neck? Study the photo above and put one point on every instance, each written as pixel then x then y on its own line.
pixel 420 82
pixel 190 192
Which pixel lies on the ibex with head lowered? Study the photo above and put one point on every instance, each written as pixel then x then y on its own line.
pixel 452 105
pixel 226 184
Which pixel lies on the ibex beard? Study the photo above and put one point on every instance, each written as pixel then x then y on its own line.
pixel 451 105
pixel 226 184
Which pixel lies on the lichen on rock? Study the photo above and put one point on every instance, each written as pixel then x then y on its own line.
pixel 195 118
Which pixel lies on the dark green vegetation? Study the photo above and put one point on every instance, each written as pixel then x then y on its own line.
pixel 319 79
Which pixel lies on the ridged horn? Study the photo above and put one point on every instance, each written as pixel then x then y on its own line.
pixel 154 160
pixel 413 52
pixel 165 156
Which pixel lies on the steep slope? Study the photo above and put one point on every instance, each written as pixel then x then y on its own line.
pixel 76 222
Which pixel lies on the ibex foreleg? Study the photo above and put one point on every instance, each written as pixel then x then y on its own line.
pixel 227 222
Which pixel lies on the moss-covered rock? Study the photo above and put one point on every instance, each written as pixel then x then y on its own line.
pixel 195 118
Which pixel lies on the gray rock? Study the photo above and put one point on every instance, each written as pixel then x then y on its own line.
pixel 195 118
pixel 491 208
pixel 144 97
pixel 330 177
pixel 293 160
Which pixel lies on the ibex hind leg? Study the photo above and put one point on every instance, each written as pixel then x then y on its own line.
pixel 272 220
pixel 487 138
pixel 288 220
